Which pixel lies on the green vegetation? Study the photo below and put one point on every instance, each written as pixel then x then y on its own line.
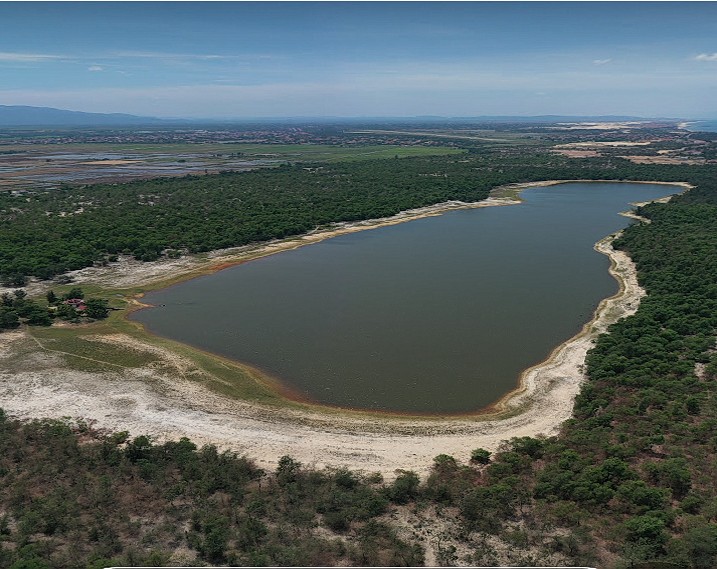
pixel 71 497
pixel 87 354
pixel 487 138
pixel 16 308
pixel 93 349
pixel 46 235
pixel 629 480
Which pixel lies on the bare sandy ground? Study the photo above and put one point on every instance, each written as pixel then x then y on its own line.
pixel 602 125
pixel 166 398
pixel 650 159
pixel 598 144
pixel 577 153
pixel 108 162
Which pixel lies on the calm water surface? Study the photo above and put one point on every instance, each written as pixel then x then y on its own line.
pixel 703 126
pixel 437 315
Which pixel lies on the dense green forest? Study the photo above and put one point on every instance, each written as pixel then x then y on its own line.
pixel 50 232
pixel 630 479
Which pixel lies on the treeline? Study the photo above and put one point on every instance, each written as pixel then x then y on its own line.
pixel 48 233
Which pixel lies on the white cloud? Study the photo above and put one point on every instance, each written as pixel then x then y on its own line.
pixel 163 55
pixel 28 57
pixel 188 56
pixel 601 61
pixel 706 57
pixel 95 68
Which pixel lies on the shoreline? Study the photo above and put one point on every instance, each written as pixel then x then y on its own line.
pixel 513 399
pixel 129 273
pixel 174 407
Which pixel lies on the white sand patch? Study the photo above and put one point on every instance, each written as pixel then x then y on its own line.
pixel 598 144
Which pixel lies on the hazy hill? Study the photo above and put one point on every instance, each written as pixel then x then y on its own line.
pixel 18 115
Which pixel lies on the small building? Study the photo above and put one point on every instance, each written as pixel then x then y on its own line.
pixel 77 303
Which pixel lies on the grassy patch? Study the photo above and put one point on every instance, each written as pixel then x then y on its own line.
pixel 81 351
pixel 88 354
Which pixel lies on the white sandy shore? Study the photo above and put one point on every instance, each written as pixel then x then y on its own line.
pixel 167 401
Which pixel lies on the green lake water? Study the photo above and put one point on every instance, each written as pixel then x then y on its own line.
pixel 436 315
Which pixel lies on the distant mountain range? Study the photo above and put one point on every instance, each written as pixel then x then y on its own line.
pixel 17 115
pixel 20 116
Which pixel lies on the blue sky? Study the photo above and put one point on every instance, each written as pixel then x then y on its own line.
pixel 260 59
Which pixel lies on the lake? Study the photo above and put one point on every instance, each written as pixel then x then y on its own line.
pixel 434 316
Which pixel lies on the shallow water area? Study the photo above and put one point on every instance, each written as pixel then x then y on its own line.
pixel 435 316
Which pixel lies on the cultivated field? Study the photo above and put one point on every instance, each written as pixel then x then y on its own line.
pixel 25 166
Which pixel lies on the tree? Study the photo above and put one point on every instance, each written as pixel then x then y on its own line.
pixel 75 292
pixel 15 279
pixel 287 470
pixel 96 308
pixel 641 498
pixel 445 463
pixel 8 318
pixel 216 534
pixel 37 316
pixel 699 546
pixel 480 456
pixel 66 312
pixel 648 532
pixel 528 446
pixel 404 488
pixel 139 449
pixel 672 473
